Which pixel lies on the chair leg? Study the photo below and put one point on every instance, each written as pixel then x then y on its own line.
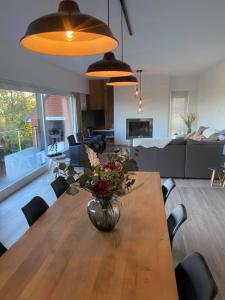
pixel 213 177
pixel 223 181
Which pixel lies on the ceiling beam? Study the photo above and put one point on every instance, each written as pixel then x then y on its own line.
pixel 126 16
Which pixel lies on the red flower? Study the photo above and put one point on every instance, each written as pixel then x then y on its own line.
pixel 101 188
pixel 110 166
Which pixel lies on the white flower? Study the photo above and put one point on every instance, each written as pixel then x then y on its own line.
pixel 92 156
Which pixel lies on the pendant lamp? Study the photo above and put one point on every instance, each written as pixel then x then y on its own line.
pixel 109 66
pixel 138 93
pixel 68 32
pixel 125 80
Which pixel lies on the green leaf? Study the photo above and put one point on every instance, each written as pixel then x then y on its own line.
pixel 62 166
pixel 70 180
pixel 56 170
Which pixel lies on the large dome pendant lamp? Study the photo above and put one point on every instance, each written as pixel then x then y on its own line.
pixel 109 66
pixel 69 33
pixel 125 80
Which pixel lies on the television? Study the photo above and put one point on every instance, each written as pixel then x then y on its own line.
pixel 93 119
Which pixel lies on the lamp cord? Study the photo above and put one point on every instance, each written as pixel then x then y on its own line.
pixel 108 12
pixel 121 33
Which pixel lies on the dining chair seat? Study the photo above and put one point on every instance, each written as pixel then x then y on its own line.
pixel 60 185
pixel 194 279
pixel 167 187
pixel 34 209
pixel 175 220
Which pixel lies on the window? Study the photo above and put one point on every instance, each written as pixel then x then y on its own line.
pixel 19 127
pixel 178 108
pixel 32 125
pixel 58 121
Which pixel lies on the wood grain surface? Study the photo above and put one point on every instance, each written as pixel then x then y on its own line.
pixel 62 256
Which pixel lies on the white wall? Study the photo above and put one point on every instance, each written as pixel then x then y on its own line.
pixel 155 105
pixel 18 65
pixel 187 84
pixel 211 97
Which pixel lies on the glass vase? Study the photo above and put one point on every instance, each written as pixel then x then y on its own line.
pixel 104 213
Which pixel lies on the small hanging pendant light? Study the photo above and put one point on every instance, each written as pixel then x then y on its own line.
pixel 69 33
pixel 138 93
pixel 109 66
pixel 123 81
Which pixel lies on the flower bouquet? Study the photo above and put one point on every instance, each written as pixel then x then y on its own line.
pixel 106 182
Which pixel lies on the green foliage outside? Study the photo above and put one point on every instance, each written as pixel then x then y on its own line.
pixel 15 113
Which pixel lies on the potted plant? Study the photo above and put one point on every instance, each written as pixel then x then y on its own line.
pixel 188 120
pixel 106 182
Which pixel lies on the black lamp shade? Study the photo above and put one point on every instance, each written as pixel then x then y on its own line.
pixel 69 33
pixel 108 67
pixel 123 81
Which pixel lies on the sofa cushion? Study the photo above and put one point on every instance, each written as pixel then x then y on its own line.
pixel 209 132
pixel 200 130
pixel 178 141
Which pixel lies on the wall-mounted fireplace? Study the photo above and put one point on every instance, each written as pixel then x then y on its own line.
pixel 139 128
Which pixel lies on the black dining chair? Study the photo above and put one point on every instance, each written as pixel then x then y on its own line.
pixel 3 249
pixel 60 185
pixel 175 220
pixel 34 209
pixel 167 187
pixel 131 165
pixel 194 279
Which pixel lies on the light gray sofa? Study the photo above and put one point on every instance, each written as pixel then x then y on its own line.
pixel 181 159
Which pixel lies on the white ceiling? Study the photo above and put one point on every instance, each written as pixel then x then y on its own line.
pixel 174 37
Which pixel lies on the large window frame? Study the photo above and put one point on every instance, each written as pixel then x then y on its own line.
pixel 42 147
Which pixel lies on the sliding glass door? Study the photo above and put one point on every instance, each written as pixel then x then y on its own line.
pixel 19 127
pixel 32 125
pixel 58 122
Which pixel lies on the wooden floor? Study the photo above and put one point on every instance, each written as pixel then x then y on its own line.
pixel 204 231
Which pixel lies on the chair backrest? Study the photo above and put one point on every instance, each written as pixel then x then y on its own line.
pixel 194 279
pixel 71 140
pixel 79 137
pixel 60 185
pixel 167 187
pixel 131 165
pixel 34 209
pixel 3 249
pixel 175 220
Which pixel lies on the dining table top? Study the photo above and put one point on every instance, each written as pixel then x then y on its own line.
pixel 63 256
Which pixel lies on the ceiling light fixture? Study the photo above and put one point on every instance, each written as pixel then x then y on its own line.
pixel 125 80
pixel 138 92
pixel 109 66
pixel 69 33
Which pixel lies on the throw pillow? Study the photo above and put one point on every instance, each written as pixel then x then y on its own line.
pixel 198 138
pixel 221 137
pixel 200 130
pixel 214 137
pixel 209 131
pixel 190 135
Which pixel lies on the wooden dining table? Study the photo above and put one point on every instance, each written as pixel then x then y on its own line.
pixel 63 256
